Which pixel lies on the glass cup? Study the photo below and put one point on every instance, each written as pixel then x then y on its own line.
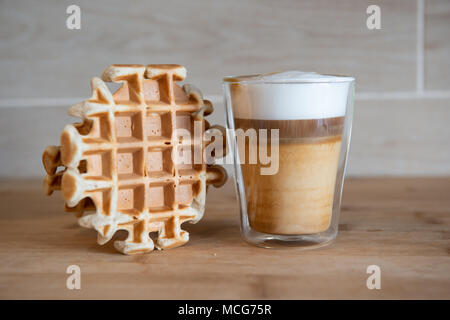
pixel 289 136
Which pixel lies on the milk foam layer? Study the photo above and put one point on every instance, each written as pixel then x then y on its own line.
pixel 289 95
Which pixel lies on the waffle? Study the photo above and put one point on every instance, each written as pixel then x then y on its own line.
pixel 124 168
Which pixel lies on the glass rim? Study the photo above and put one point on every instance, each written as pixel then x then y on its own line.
pixel 256 79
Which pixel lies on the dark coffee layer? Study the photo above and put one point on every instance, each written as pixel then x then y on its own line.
pixel 310 128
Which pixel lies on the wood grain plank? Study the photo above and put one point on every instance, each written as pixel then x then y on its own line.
pixel 402 225
pixel 437 44
pixel 402 137
pixel 24 134
pixel 41 58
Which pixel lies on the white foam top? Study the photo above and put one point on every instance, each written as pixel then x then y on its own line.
pixel 289 95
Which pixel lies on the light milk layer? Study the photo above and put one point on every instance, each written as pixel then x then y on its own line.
pixel 290 95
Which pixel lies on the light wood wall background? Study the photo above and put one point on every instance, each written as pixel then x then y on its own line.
pixel 402 108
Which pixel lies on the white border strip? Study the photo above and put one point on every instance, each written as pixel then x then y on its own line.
pixel 420 63
pixel 217 99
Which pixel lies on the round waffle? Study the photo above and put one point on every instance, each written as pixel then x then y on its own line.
pixel 126 167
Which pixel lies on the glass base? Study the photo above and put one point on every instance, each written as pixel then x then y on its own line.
pixel 305 241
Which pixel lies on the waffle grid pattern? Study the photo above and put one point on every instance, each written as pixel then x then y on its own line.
pixel 127 161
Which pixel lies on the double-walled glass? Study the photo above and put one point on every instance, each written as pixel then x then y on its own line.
pixel 289 140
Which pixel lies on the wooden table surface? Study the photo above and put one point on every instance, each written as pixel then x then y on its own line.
pixel 400 224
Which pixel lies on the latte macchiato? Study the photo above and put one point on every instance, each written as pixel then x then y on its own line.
pixel 298 199
pixel 309 114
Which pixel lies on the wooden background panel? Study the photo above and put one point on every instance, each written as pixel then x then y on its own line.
pixel 40 57
pixel 24 134
pixel 407 137
pixel 437 44
pixel 400 137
